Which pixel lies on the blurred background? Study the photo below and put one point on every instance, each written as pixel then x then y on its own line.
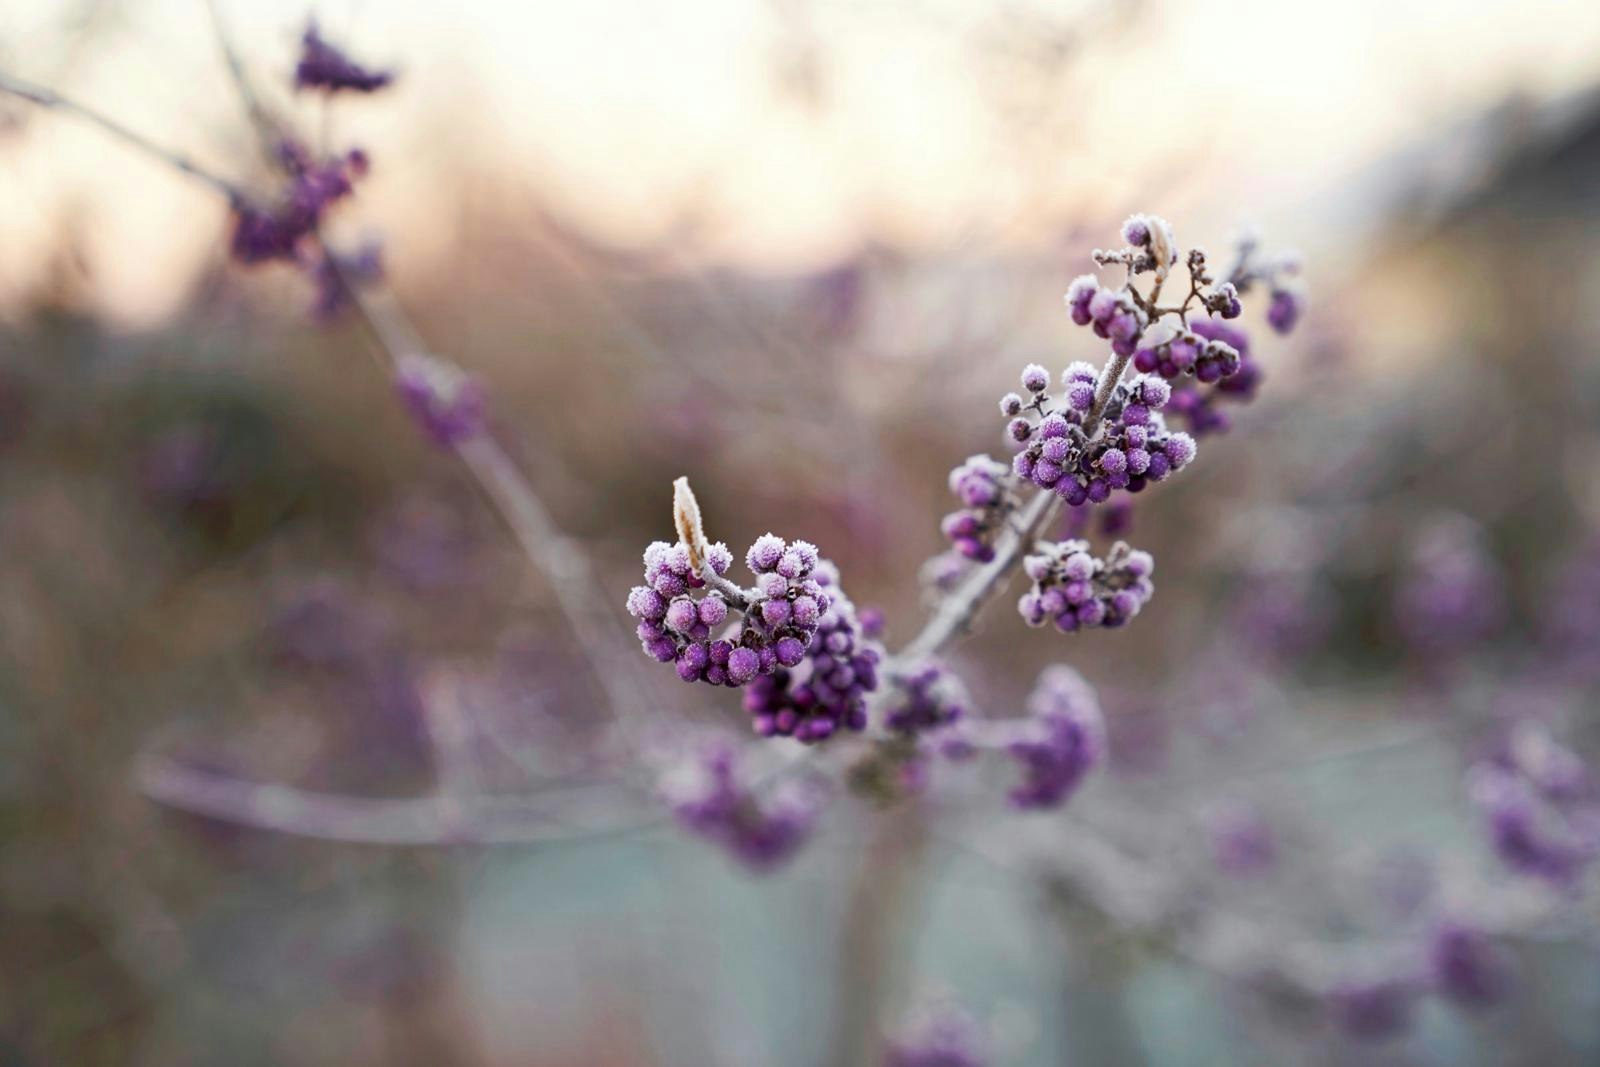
pixel 795 250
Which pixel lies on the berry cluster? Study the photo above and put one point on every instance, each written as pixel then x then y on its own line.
pixel 781 614
pixel 1131 448
pixel 826 692
pixel 326 68
pixel 1075 590
pixel 981 485
pixel 1113 314
pixel 1540 805
pixel 711 797
pixel 1209 350
pixel 448 405
pixel 674 627
pixel 278 231
pixel 926 699
pixel 938 1035
pixel 1459 963
pixel 1190 352
pixel 1063 739
pixel 788 604
pixel 1453 594
pixel 1200 407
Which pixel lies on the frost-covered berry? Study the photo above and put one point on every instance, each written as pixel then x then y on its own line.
pixel 1035 379
pixel 1079 294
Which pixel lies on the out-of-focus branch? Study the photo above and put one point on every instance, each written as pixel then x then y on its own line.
pixel 49 98
pixel 552 816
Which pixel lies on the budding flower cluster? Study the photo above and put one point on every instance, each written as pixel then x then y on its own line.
pixel 981 485
pixel 826 692
pixel 1075 590
pixel 1130 448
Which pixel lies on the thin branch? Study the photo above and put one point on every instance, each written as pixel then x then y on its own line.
pixel 49 98
pixel 549 817
pixel 957 612
pixel 267 128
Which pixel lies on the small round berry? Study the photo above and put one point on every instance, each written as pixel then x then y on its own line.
pixel 1035 379
pixel 765 553
pixel 646 603
pixel 805 611
pixel 791 650
pixel 682 614
pixel 713 610
pixel 775 612
pixel 743 663
pixel 1011 404
pixel 1180 449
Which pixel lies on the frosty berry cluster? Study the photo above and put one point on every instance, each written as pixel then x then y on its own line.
pixel 983 489
pixel 1132 448
pixel 1075 590
pixel 711 795
pixel 927 698
pixel 677 614
pixel 1063 739
pixel 827 691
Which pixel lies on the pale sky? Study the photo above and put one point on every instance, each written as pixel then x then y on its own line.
pixel 620 112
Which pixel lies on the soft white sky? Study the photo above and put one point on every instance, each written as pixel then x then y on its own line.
pixel 622 112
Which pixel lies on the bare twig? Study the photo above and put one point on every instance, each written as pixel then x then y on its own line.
pixel 49 98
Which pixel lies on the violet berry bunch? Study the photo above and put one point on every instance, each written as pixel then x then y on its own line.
pixel 794 639
pixel 827 691
pixel 1131 448
pixel 678 615
pixel 711 794
pixel 1076 590
pixel 986 496
pixel 928 698
pixel 1060 742
pixel 1175 342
